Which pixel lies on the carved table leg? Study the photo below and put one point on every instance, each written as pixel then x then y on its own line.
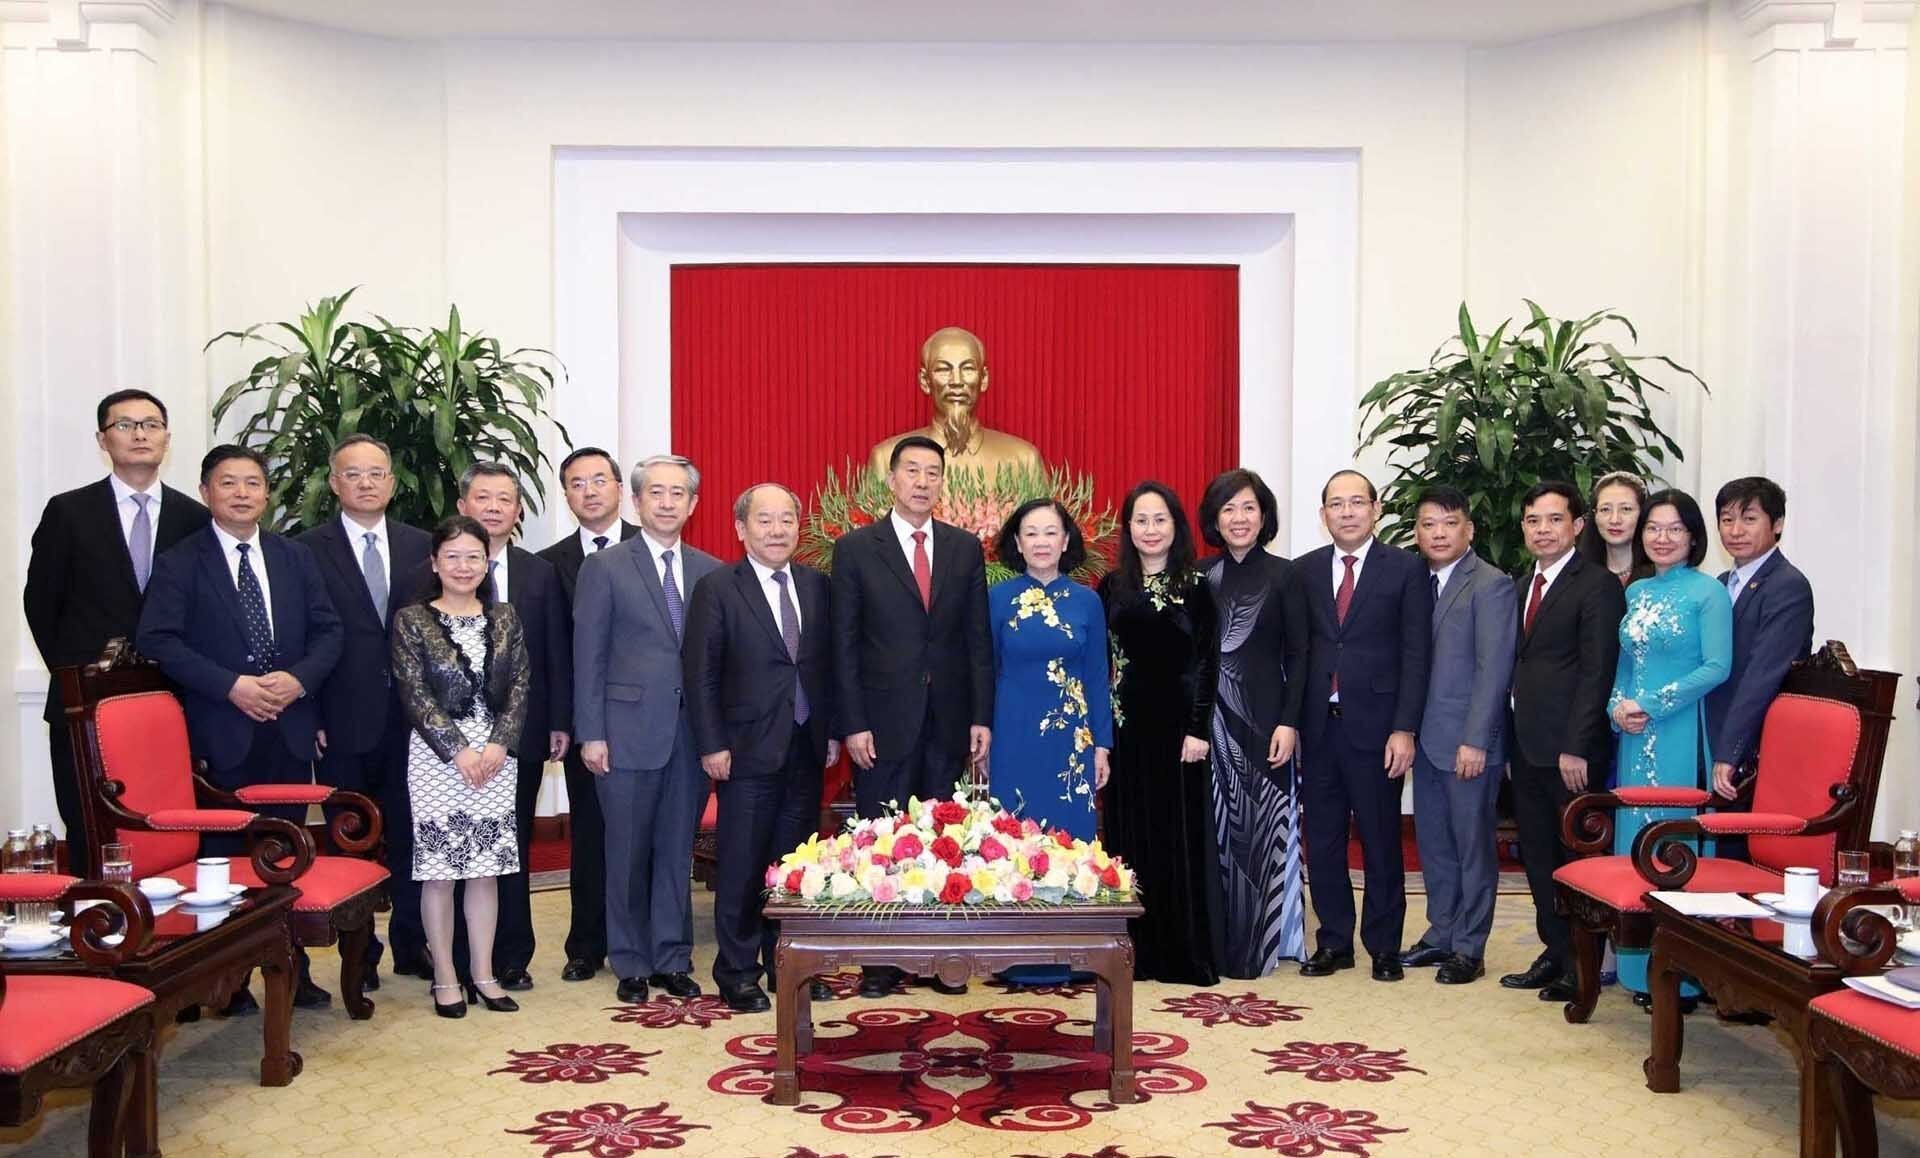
pixel 108 1119
pixel 279 1063
pixel 143 1105
pixel 1117 973
pixel 1102 1014
pixel 1849 1110
pixel 790 983
pixel 1587 946
pixel 1817 1124
pixel 1663 1065
pixel 353 969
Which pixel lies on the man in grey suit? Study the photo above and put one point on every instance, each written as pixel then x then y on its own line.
pixel 1457 767
pixel 629 616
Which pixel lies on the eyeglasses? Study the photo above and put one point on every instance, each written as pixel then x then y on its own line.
pixel 1665 531
pixel 595 482
pixel 144 425
pixel 356 475
pixel 1341 506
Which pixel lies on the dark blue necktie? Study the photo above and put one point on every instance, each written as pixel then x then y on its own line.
pixel 253 607
pixel 676 610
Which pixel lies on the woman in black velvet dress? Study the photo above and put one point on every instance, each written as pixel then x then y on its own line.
pixel 1158 802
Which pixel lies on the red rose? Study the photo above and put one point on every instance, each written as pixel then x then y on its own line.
pixel 956 889
pixel 908 847
pixel 1006 825
pixel 947 849
pixel 882 859
pixel 949 812
pixel 992 850
pixel 864 838
pixel 1061 837
pixel 1110 876
pixel 1038 865
pixel 793 880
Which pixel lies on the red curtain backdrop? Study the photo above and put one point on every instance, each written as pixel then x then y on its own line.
pixel 1125 372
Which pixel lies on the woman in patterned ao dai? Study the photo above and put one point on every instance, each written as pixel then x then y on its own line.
pixel 1676 645
pixel 460 661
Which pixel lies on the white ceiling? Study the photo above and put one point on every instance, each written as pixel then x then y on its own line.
pixel 947 21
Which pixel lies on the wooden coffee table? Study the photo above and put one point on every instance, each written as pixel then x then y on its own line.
pixel 954 944
pixel 194 961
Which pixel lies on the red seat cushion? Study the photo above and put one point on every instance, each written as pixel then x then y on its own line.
pixel 710 816
pixel 331 882
pixel 1891 1026
pixel 1645 797
pixel 200 819
pixel 143 744
pixel 1752 823
pixel 34 886
pixel 1807 746
pixel 284 794
pixel 44 1015
pixel 1614 880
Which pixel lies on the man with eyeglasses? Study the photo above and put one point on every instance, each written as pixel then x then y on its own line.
pixel 92 555
pixel 590 479
pixel 365 559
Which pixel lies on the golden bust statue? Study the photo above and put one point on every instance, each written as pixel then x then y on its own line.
pixel 953 376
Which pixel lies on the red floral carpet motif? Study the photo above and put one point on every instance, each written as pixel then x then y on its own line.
pixel 567 1062
pixel 898 1070
pixel 1241 1009
pixel 1064 989
pixel 671 1012
pixel 608 1130
pixel 808 1152
pixel 1102 1152
pixel 1305 1129
pixel 1337 1061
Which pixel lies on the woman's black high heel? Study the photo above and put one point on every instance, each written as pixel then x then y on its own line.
pixel 493 1004
pixel 457 1009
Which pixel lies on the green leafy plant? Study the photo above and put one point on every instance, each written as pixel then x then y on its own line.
pixel 1494 414
pixel 441 398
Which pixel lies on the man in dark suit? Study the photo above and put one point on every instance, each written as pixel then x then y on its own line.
pixel 490 495
pixel 1569 643
pixel 366 560
pixel 591 481
pixel 1370 635
pixel 759 680
pixel 629 617
pixel 240 619
pixel 92 555
pixel 1462 737
pixel 1772 623
pixel 913 652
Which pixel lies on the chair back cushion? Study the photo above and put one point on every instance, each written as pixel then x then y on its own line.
pixel 1807 746
pixel 143 744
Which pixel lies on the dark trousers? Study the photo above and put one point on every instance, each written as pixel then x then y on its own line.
pixel 66 800
pixel 372 773
pixel 513 929
pixel 761 818
pixel 651 816
pixel 587 877
pixel 268 761
pixel 929 771
pixel 1339 781
pixel 1453 821
pixel 1539 797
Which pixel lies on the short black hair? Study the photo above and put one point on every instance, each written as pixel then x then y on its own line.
pixel 1008 545
pixel 1576 504
pixel 914 442
pixel 117 397
pixel 1690 517
pixel 1222 489
pixel 227 452
pixel 588 452
pixel 486 468
pixel 358 438
pixel 1447 499
pixel 1744 492
pixel 444 532
pixel 1373 496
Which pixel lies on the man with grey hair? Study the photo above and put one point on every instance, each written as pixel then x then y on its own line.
pixel 631 721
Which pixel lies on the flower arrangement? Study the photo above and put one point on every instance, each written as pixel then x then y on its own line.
pixel 958 852
pixel 849 500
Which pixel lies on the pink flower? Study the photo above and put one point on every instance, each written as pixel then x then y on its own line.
pixel 1022 889
pixel 864 838
pixel 992 850
pixel 886 890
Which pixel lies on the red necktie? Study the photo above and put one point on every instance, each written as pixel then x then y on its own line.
pixel 1533 601
pixel 922 569
pixel 1342 600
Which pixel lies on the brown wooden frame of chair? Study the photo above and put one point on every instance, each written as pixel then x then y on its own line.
pixel 1587 823
pixel 280 850
pixel 1853 1065
pixel 104 1059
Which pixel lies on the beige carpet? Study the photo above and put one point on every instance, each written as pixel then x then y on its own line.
pixel 1285 1065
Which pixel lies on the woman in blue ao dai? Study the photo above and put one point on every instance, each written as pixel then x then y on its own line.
pixel 1676 645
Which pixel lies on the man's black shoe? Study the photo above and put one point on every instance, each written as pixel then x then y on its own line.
pixel 748 998
pixel 421 969
pixel 1538 975
pixel 241 1004
pixel 515 979
pixel 1560 989
pixel 939 986
pixel 1458 970
pixel 817 990
pixel 1386 967
pixel 675 984
pixel 878 980
pixel 370 981
pixel 1422 955
pixel 307 995
pixel 632 990
pixel 1325 963
pixel 579 969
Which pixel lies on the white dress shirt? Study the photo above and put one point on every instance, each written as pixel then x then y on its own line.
pixel 1553 575
pixel 1446 573
pixel 499 574
pixel 1359 563
pixel 655 549
pixel 587 545
pixel 772 590
pixel 905 531
pixel 256 562
pixel 357 540
pixel 128 510
pixel 1744 574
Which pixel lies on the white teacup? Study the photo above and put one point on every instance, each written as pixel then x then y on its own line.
pixel 1796 937
pixel 1802 888
pixel 211 875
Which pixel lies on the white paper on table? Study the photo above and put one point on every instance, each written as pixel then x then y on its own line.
pixel 1887 991
pixel 1712 904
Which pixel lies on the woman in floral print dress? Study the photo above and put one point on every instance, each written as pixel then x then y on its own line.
pixel 1676 645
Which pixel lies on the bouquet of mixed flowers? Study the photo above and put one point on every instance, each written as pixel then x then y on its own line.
pixel 970 501
pixel 957 851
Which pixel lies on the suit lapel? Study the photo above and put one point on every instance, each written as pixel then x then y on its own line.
pixel 1368 580
pixel 1456 583
pixel 282 578
pixel 1749 593
pixel 748 581
pixel 627 530
pixel 213 564
pixel 650 579
pixel 896 560
pixel 813 609
pixel 1555 590
pixel 348 564
pixel 109 512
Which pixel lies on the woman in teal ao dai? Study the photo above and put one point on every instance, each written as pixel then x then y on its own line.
pixel 1052 705
pixel 1676 645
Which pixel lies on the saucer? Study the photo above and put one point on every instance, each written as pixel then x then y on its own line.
pixel 21 941
pixel 1778 903
pixel 200 900
pixel 161 888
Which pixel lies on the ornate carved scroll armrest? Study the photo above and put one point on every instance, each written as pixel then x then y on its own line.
pixel 1839 918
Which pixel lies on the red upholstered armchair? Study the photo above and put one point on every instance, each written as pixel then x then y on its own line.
pixel 131 750
pixel 58 1031
pixel 1860 1045
pixel 1813 791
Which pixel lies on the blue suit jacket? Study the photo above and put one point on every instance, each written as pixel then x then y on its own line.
pixel 1772 627
pixel 1473 636
pixel 193 626
pixel 1380 651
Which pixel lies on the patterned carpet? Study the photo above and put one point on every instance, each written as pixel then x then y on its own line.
pixel 1285 1065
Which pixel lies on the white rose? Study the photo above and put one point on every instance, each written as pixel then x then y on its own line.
pixel 842 886
pixel 813 882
